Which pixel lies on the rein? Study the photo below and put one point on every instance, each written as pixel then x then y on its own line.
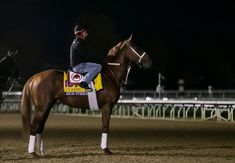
pixel 118 64
pixel 124 83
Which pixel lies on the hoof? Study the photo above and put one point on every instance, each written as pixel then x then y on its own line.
pixel 35 155
pixel 107 151
pixel 43 154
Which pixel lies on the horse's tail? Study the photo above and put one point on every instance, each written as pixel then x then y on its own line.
pixel 26 109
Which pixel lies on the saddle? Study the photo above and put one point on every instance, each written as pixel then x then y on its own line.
pixel 72 80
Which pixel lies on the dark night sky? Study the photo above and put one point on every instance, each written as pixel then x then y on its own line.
pixel 185 39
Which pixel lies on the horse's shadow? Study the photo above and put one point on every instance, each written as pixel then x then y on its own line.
pixel 169 151
pixel 174 151
pixel 156 151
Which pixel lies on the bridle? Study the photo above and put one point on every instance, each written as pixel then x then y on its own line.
pixel 140 56
pixel 129 66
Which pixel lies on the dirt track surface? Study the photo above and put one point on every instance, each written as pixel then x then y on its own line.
pixel 77 139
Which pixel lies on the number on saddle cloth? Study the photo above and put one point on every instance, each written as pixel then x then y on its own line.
pixel 74 78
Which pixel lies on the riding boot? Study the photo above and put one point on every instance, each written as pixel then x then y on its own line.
pixel 85 86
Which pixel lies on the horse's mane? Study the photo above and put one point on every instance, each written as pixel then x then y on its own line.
pixel 114 50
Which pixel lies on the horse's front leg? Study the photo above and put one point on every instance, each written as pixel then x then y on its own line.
pixel 106 113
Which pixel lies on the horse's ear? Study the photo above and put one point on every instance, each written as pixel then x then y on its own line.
pixel 9 53
pixel 129 39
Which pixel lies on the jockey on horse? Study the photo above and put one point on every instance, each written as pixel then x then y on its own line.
pixel 80 59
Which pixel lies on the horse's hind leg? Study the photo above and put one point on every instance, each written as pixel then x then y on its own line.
pixel 33 127
pixel 37 130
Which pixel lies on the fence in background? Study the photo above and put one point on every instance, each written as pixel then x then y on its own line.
pixel 202 94
pixel 130 94
pixel 149 109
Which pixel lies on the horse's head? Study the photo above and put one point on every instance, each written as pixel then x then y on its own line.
pixel 133 54
pixel 9 69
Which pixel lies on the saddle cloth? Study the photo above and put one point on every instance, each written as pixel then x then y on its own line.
pixel 71 87
pixel 72 80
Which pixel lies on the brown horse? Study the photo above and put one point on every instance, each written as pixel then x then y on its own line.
pixel 45 88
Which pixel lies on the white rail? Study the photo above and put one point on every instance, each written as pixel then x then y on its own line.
pixel 150 109
pixel 129 94
pixel 175 101
pixel 179 109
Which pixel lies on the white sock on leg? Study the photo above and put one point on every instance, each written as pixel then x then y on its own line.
pixel 31 146
pixel 104 141
pixel 40 143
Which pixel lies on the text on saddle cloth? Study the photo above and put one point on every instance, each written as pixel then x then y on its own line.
pixel 72 80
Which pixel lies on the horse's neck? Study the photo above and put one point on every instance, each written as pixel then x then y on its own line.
pixel 118 69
